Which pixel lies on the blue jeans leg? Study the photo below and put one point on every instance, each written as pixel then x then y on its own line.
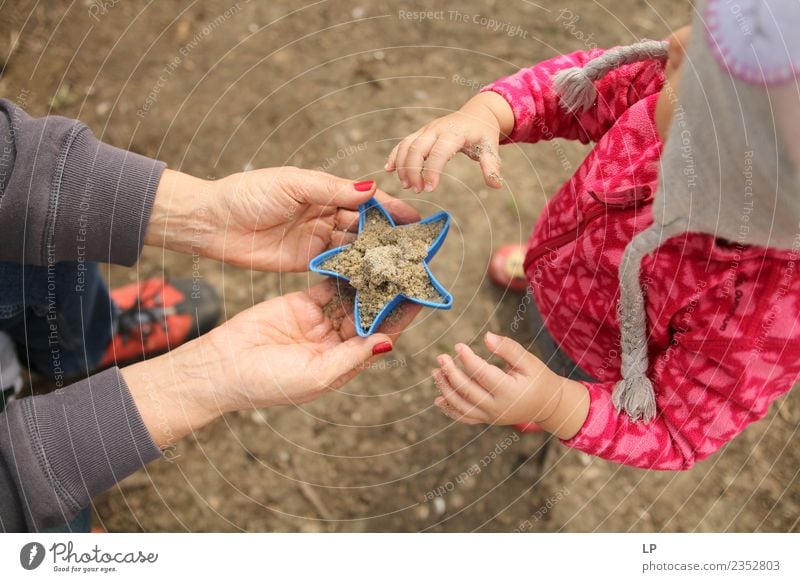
pixel 60 316
pixel 81 523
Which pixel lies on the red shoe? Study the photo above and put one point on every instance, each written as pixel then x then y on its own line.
pixel 528 427
pixel 156 316
pixel 506 268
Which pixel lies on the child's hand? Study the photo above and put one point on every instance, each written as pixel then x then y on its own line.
pixel 474 130
pixel 478 392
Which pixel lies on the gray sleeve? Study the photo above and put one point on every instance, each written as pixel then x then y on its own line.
pixel 59 450
pixel 65 196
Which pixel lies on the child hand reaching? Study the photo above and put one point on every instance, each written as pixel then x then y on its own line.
pixel 475 130
pixel 475 391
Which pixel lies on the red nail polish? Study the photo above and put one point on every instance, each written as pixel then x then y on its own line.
pixel 382 348
pixel 364 186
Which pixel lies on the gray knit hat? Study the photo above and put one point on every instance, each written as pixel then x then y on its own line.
pixel 729 166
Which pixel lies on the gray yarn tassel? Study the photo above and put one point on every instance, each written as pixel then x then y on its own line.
pixel 575 86
pixel 634 394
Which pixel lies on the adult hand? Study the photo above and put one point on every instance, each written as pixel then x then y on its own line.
pixel 288 350
pixel 275 219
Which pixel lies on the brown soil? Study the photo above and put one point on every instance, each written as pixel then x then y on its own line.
pixel 384 262
pixel 334 86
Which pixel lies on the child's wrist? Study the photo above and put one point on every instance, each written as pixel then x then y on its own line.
pixel 497 106
pixel 568 415
pixel 552 389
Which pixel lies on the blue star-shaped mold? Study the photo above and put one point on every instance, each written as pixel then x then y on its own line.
pixel 446 302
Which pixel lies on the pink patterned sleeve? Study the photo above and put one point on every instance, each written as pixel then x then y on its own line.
pixel 704 400
pixel 539 116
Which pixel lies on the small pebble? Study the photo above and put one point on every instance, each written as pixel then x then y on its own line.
pixel 282 56
pixel 470 484
pixel 439 506
pixel 182 30
pixel 284 456
pixel 257 416
pixel 253 27
pixel 422 511
pixel 592 473
pixel 358 12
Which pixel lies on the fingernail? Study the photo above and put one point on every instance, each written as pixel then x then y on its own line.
pixel 382 348
pixel 441 360
pixel 460 348
pixel 364 186
pixel 428 187
pixel 490 336
pixel 386 167
pixel 417 190
pixel 404 184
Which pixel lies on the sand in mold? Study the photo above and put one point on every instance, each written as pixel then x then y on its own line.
pixel 384 262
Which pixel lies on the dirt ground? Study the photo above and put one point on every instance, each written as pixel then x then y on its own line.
pixel 219 86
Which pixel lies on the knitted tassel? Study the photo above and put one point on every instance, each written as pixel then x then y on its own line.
pixel 575 86
pixel 634 394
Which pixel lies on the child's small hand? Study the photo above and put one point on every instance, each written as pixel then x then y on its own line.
pixel 475 130
pixel 478 392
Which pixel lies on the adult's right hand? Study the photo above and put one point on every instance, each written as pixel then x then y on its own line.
pixel 283 351
pixel 273 219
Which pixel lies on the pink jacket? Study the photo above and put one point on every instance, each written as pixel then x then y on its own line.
pixel 724 335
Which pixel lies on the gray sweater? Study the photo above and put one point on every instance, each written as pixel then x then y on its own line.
pixel 62 190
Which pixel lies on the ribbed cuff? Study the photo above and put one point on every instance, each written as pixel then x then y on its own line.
pixel 596 426
pixel 103 202
pixel 75 443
